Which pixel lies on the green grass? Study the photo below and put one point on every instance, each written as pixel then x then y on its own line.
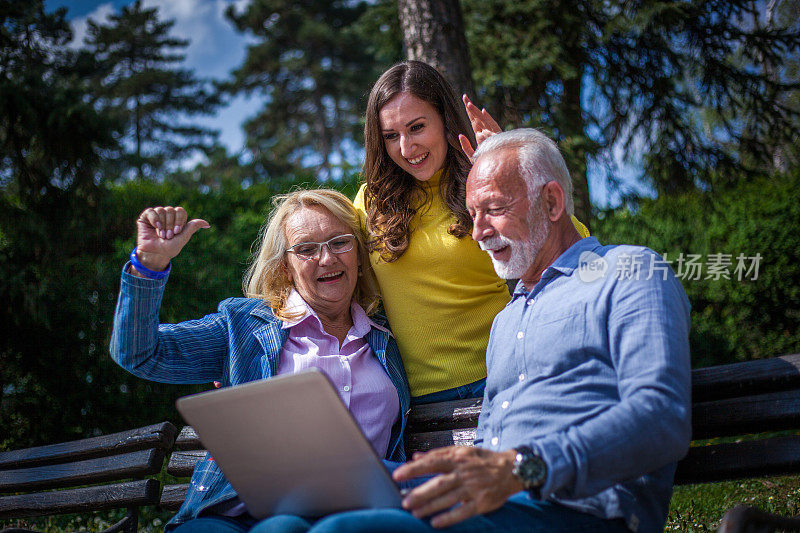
pixel 694 508
pixel 699 508
pixel 150 520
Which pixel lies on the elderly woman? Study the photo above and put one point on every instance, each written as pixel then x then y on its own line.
pixel 310 291
pixel 439 290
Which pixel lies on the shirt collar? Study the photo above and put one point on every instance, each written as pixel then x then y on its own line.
pixel 296 304
pixel 565 264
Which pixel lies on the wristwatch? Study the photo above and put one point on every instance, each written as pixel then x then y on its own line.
pixel 530 469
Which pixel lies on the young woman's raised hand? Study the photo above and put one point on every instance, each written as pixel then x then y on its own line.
pixel 482 123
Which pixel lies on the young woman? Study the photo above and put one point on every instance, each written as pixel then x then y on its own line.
pixel 439 290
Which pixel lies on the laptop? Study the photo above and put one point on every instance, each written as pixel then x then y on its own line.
pixel 288 445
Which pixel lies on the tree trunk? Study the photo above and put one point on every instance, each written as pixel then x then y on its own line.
pixel 433 32
pixel 572 127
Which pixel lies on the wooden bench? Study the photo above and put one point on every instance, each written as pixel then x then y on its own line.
pixel 110 469
pixel 749 398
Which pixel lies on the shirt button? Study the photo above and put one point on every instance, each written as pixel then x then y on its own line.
pixel 520 334
pixel 530 302
pixel 346 388
pixel 505 404
pixel 522 377
pixel 495 440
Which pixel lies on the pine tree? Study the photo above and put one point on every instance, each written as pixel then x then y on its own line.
pixel 143 85
pixel 48 135
pixel 637 75
pixel 781 152
pixel 313 65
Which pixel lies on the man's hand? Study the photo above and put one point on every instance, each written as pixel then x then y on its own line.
pixel 482 123
pixel 474 480
pixel 161 234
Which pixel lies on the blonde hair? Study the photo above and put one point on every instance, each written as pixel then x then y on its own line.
pixel 266 277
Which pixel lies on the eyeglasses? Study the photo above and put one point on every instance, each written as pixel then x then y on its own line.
pixel 311 250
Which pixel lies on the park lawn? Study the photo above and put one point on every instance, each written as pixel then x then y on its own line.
pixel 699 508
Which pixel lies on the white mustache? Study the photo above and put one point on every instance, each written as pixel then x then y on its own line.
pixel 494 243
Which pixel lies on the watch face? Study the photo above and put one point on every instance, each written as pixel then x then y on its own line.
pixel 529 468
pixel 533 469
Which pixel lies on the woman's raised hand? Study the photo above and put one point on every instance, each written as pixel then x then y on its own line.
pixel 483 125
pixel 162 232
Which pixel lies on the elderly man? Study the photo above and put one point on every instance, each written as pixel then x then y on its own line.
pixel 587 402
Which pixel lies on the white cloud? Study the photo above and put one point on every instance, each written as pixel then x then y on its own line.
pixel 215 48
pixel 81 24
pixel 241 5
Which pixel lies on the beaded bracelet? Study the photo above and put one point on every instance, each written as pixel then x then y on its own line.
pixel 146 272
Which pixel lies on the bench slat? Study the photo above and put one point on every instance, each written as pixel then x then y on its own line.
pixel 188 439
pixel 444 415
pixel 746 378
pixel 158 435
pixel 172 496
pixel 135 493
pixel 181 463
pixel 758 458
pixel 737 416
pixel 751 414
pixel 422 442
pixel 703 464
pixel 129 465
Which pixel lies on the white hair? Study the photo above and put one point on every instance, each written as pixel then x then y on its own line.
pixel 538 157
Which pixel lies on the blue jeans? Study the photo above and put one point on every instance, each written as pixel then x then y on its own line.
pixel 244 524
pixel 532 517
pixel 470 390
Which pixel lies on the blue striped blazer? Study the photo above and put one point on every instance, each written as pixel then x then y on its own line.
pixel 241 342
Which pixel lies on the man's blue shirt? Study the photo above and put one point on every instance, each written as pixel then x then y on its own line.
pixel 591 369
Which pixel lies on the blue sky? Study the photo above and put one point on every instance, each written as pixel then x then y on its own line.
pixel 215 49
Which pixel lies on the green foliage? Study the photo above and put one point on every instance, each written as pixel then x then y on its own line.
pixel 58 381
pixel 312 64
pixel 50 145
pixel 140 83
pixel 639 76
pixel 732 319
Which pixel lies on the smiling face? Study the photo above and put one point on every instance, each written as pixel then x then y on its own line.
pixel 327 282
pixel 507 223
pixel 413 134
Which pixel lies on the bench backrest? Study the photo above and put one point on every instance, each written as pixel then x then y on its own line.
pixel 748 398
pixel 113 465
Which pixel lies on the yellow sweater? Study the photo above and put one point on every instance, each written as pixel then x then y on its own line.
pixel 440 297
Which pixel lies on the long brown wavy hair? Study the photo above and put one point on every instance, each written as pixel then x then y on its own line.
pixel 390 191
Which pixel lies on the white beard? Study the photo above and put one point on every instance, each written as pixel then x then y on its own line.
pixel 523 253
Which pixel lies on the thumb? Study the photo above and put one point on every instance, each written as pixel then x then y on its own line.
pixel 194 225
